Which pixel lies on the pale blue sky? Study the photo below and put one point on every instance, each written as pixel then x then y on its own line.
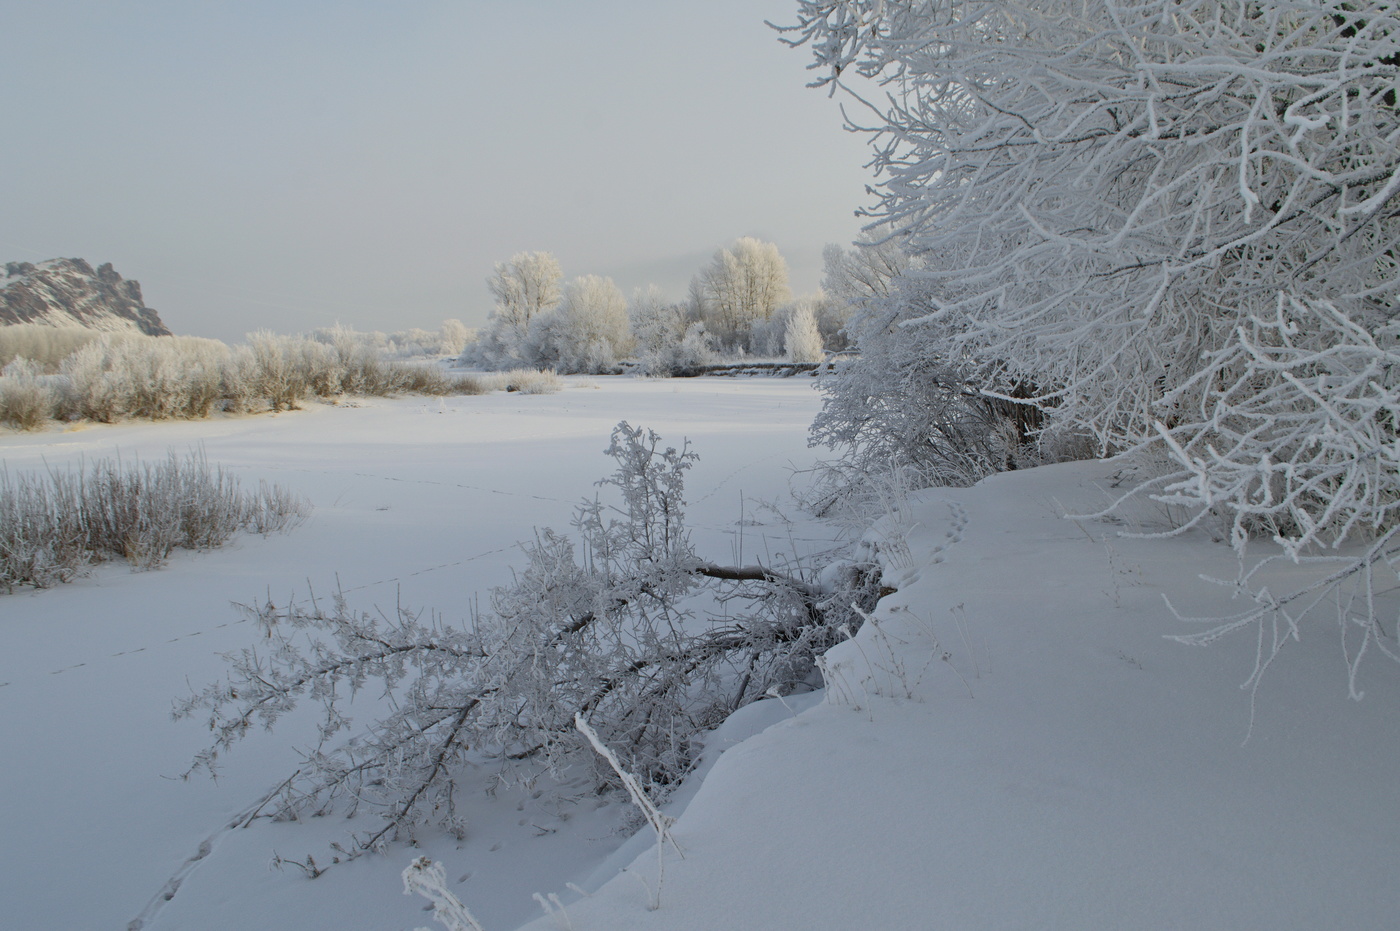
pixel 290 163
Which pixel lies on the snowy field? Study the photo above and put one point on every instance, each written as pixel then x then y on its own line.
pixel 416 501
pixel 1013 744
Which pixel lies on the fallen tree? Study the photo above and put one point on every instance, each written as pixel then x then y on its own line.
pixel 608 631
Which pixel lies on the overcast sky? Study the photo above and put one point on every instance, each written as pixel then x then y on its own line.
pixel 288 164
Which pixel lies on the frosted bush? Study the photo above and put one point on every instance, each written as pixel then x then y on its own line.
pixel 906 402
pixel 96 390
pixel 525 381
pixel 279 364
pixel 241 382
pixel 323 369
pixel 117 375
pixel 427 378
pixel 696 348
pixel 46 345
pixel 524 288
pixel 54 524
pixel 765 337
pixel 26 395
pixel 658 327
pixel 141 376
pixel 667 340
pixel 453 336
pixel 832 315
pixel 891 407
pixel 156 385
pixel 448 340
pixel 176 376
pixel 1101 192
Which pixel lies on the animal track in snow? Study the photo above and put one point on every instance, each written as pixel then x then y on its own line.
pixel 957 524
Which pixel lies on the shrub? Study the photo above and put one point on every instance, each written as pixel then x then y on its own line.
pixel 667 340
pixel 95 390
pixel 587 333
pixel 431 380
pixel 54 524
pixel 117 375
pixel 26 395
pixel 453 336
pixel 526 381
pixel 122 375
pixel 281 369
pixel 46 345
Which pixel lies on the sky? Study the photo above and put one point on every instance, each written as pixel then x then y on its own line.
pixel 290 164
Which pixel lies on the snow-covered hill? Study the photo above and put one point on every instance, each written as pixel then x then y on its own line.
pixel 68 292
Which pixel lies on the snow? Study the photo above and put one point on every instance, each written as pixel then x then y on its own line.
pixel 419 501
pixel 1065 767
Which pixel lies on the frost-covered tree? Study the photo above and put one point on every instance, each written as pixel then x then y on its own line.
pixel 453 336
pixel 855 279
pixel 588 332
pixel 867 270
pixel 906 403
pixel 667 338
pixel 802 341
pixel 1106 190
pixel 657 324
pixel 524 288
pixel 603 627
pixel 1169 224
pixel 742 286
pixel 831 315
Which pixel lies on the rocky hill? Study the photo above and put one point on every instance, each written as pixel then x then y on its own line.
pixel 67 292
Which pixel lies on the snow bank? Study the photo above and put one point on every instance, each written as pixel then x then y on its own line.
pixel 1064 767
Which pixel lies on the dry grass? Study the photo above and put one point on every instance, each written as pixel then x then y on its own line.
pixel 55 524
pixel 526 381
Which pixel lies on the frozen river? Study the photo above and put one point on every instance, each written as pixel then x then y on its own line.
pixel 417 502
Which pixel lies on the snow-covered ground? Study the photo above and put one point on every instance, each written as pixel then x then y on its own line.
pixel 1013 743
pixel 416 500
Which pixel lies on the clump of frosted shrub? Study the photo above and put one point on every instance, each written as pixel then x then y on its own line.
pixel 142 376
pixel 26 394
pixel 525 381
pixel 55 524
pixel 110 377
pixel 46 345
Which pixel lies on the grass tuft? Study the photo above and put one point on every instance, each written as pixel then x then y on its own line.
pixel 54 525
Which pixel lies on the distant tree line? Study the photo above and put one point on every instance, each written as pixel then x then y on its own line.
pixel 740 304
